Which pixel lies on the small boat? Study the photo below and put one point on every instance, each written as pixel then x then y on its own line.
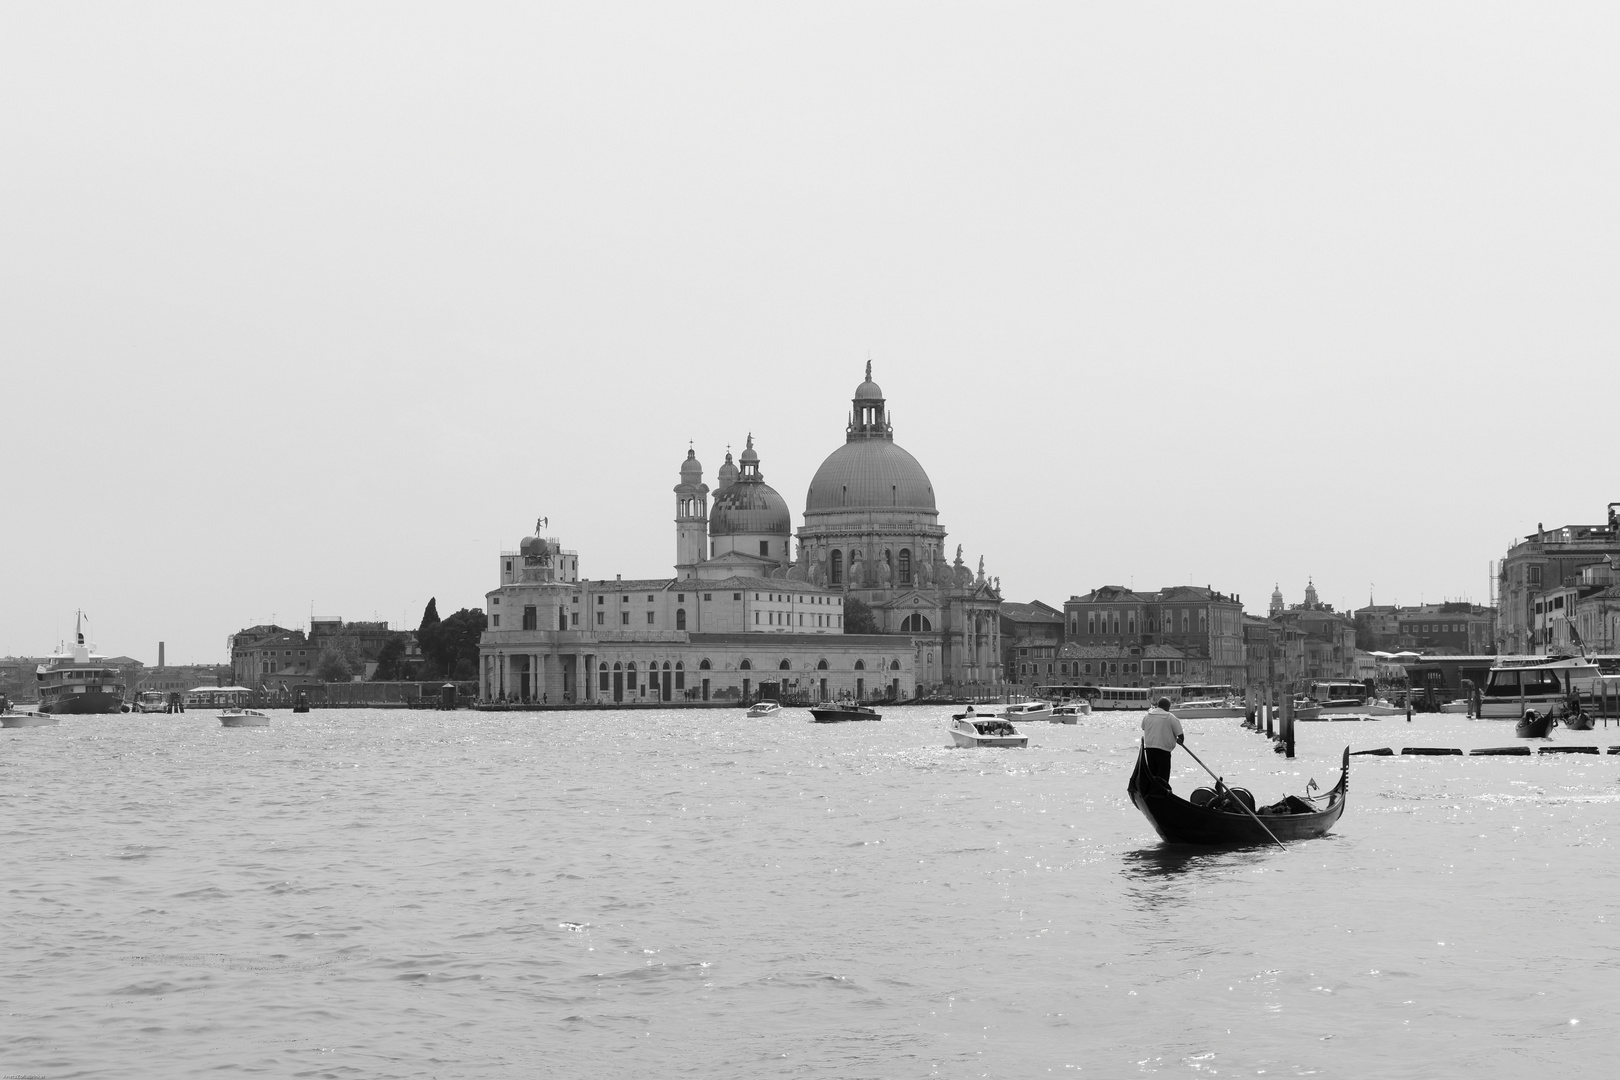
pixel 1029 710
pixel 1070 714
pixel 149 701
pixel 1210 709
pixel 301 703
pixel 1214 820
pixel 1577 721
pixel 1533 726
pixel 765 708
pixel 972 729
pixel 18 719
pixel 243 718
pixel 836 712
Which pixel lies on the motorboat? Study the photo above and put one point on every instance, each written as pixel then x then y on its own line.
pixel 149 701
pixel 20 719
pixel 1029 710
pixel 972 728
pixel 1213 817
pixel 1070 714
pixel 1210 709
pixel 243 718
pixel 765 708
pixel 837 712
pixel 1541 683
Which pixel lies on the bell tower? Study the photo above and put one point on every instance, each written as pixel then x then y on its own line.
pixel 691 517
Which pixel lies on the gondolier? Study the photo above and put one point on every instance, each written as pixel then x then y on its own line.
pixel 1161 732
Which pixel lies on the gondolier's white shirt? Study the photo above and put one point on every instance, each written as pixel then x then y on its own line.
pixel 1160 730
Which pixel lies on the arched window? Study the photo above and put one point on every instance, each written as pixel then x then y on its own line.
pixel 680 618
pixel 836 567
pixel 746 665
pixel 680 675
pixel 860 665
pixel 785 665
pixel 603 680
pixel 821 665
pixel 894 665
pixel 630 676
pixel 915 624
pixel 617 666
pixel 905 566
pixel 704 665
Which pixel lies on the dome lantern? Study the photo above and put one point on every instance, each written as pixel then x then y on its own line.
pixel 866 420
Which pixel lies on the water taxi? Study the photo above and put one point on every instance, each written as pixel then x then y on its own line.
pixel 151 701
pixel 972 728
pixel 1070 713
pixel 765 708
pixel 1029 710
pixel 243 718
pixel 1210 709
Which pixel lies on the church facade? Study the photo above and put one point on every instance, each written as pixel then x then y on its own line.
pixel 741 618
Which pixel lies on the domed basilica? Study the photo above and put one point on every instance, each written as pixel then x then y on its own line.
pixel 742 617
pixel 871 531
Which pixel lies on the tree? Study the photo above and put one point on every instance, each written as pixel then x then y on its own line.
pixel 388 659
pixel 451 652
pixel 858 617
pixel 332 665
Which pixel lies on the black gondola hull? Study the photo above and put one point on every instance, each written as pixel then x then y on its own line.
pixel 1178 821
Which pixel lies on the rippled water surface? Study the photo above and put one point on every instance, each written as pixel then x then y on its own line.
pixel 654 894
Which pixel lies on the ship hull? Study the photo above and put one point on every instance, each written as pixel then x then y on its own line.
pixel 88 703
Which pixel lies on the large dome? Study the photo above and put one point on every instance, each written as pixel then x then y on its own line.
pixel 749 507
pixel 869 474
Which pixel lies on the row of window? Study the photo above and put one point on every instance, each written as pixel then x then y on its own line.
pixel 1437 628
pixel 1098 622
pixel 1128 667
pixel 900 566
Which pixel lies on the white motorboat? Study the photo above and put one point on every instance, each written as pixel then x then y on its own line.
pixel 10 719
pixel 1070 714
pixel 1029 710
pixel 1541 683
pixel 243 718
pixel 972 728
pixel 149 701
pixel 1209 709
pixel 765 708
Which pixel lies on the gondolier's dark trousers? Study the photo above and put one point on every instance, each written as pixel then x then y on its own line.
pixel 1158 762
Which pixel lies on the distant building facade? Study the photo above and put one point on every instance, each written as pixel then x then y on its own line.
pixel 1546 559
pixel 1203 627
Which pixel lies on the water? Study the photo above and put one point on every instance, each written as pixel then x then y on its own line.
pixel 655 894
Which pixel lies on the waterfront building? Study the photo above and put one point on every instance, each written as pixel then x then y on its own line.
pixel 1134 665
pixel 1202 626
pixel 1580 614
pixel 740 617
pixel 267 652
pixel 1328 638
pixel 1031 635
pixel 1545 559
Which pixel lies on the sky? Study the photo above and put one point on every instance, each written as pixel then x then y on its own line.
pixel 315 308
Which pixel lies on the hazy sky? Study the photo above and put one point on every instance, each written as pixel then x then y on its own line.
pixel 319 306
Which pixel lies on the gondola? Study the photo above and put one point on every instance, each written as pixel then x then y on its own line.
pixel 1533 726
pixel 1178 821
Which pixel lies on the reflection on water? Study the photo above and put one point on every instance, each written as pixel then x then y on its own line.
pixel 655 893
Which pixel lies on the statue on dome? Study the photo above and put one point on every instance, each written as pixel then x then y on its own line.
pixel 958 554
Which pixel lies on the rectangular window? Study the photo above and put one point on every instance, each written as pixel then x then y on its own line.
pixel 497 619
pixel 601 617
pixel 530 619
pixel 756 618
pixel 574 619
pixel 624 618
pixel 649 618
pixel 680 598
pixel 708 596
pixel 736 596
pixel 600 599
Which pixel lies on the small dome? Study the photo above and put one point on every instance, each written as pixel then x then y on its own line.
pixel 691 469
pixel 868 390
pixel 749 507
pixel 534 546
pixel 728 472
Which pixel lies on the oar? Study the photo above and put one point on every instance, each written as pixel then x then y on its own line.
pixel 1220 785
